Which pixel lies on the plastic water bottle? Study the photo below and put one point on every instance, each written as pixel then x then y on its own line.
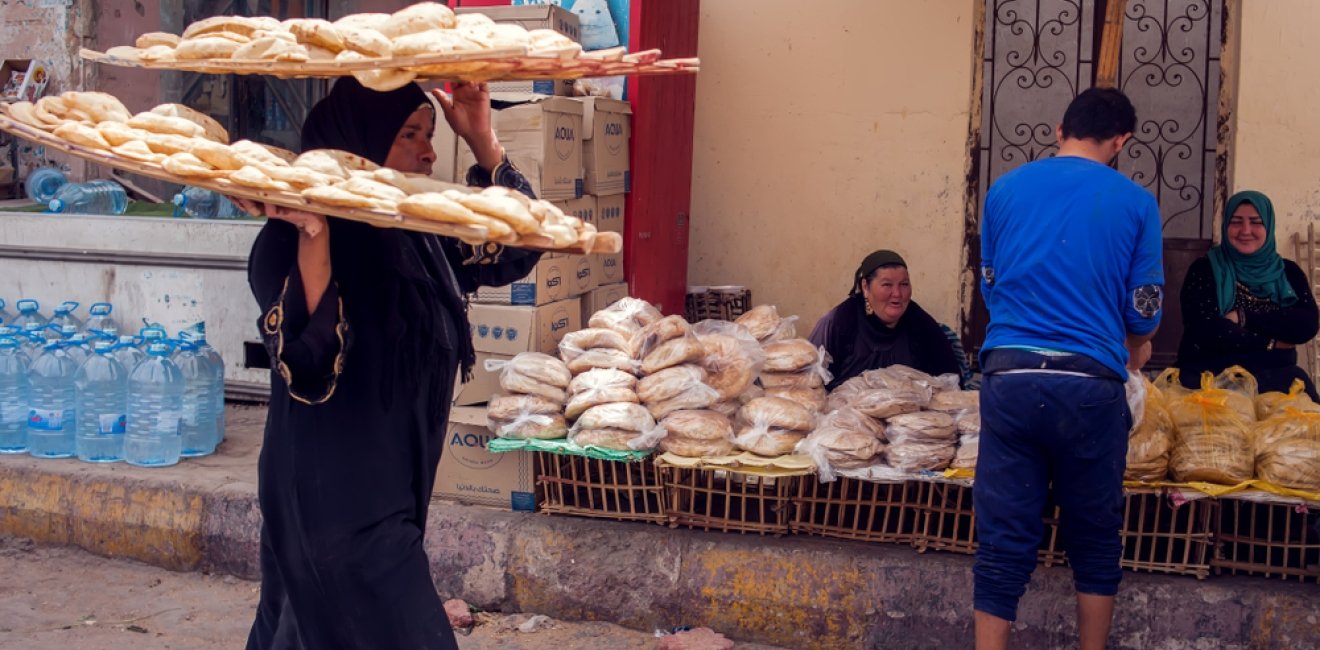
pixel 43 183
pixel 155 406
pixel 29 311
pixel 101 386
pixel 79 347
pixel 5 317
pixel 101 324
pixel 13 397
pixel 93 197
pixel 198 425
pixel 201 203
pixel 63 315
pixel 150 334
pixel 128 353
pixel 33 340
pixel 51 415
pixel 197 336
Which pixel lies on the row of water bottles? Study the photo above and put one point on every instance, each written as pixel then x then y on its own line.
pixel 63 321
pixel 49 186
pixel 146 400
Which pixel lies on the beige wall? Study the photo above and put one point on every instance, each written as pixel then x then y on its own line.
pixel 825 130
pixel 1276 147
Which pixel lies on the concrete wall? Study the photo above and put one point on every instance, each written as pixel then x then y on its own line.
pixel 826 130
pixel 1276 146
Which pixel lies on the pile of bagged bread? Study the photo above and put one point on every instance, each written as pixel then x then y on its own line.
pixel 191 145
pixel 424 28
pixel 897 418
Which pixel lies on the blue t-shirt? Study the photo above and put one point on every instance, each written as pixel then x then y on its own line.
pixel 1071 260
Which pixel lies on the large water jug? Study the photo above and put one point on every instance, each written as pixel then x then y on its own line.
pixel 63 315
pixel 198 426
pixel 79 347
pixel 51 414
pixel 201 203
pixel 29 311
pixel 197 335
pixel 101 386
pixel 155 407
pixel 93 197
pixel 42 184
pixel 128 353
pixel 6 318
pixel 149 335
pixel 31 341
pixel 13 397
pixel 101 324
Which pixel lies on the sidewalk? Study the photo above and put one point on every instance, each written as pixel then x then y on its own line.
pixel 794 592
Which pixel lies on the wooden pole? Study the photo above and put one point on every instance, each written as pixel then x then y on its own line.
pixel 1111 45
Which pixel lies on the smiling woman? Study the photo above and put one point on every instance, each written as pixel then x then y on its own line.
pixel 1243 304
pixel 879 325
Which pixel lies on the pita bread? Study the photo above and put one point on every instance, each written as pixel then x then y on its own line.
pixel 51 110
pixel 361 21
pixel 434 206
pixel 81 134
pixel 168 144
pixel 157 53
pixel 334 162
pixel 373 189
pixel 318 33
pixel 255 151
pixel 435 41
pixel 139 151
pixel 280 34
pixel 233 24
pixel 317 53
pixel 299 177
pixel 102 107
pixel 413 183
pixel 151 39
pixel 331 195
pixel 187 165
pixel 24 112
pixel 165 124
pixel 117 133
pixel 211 129
pixel 206 47
pixel 216 155
pixel 126 53
pixel 379 79
pixel 271 48
pixel 504 208
pixel 420 17
pixel 366 41
pixel 250 176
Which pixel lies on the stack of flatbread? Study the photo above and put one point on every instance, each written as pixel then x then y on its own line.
pixel 534 406
pixel 425 28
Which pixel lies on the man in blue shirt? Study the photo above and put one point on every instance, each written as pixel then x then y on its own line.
pixel 1072 276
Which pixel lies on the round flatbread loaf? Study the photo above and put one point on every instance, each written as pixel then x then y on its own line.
pixel 271 48
pixel 728 364
pixel 955 401
pixel 117 133
pixel 804 379
pixel 216 155
pixel 250 176
pixel 81 135
pixel 601 379
pixel 367 42
pixel 166 124
pixel 205 47
pixel 618 415
pixel 434 206
pixel 168 144
pixel 157 53
pixel 25 113
pixel 437 41
pixel 575 343
pixel 211 129
pixel 523 385
pixel 101 107
pixel 580 402
pixel 541 367
pixel 772 443
pixel 361 21
pixel 334 162
pixel 316 32
pixel 416 18
pixel 187 165
pixel 792 355
pixel 616 439
pixel 126 53
pixel 812 399
pixel 777 412
pixel 697 397
pixel 531 427
pixel 338 197
pixel 139 151
pixel 687 349
pixel 150 39
pixel 602 358
pixel 505 208
pixel 508 407
pixel 699 425
pixel 761 321
pixel 653 335
pixel 690 448
pixel 670 382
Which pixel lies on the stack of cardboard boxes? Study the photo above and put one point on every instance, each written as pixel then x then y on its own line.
pixel 574 152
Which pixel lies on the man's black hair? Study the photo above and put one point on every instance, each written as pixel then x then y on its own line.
pixel 1099 114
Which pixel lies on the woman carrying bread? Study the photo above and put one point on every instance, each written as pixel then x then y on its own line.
pixel 879 325
pixel 1244 305
pixel 367 330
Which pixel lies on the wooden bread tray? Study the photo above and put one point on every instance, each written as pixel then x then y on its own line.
pixel 604 243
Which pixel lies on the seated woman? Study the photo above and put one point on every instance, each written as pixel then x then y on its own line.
pixel 1244 305
pixel 879 325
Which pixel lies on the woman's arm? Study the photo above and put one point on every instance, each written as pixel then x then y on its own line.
pixel 1294 325
pixel 1203 326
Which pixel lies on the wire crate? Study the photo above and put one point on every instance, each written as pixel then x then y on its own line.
pixel 1277 540
pixel 718 303
pixel 948 523
pixel 727 500
pixel 850 508
pixel 1160 537
pixel 591 487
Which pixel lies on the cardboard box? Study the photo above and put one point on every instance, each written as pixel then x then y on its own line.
pixel 537 16
pixel 505 329
pixel 609 218
pixel 553 278
pixel 583 208
pixel 445 144
pixel 601 298
pixel 583 274
pixel 484 383
pixel 543 138
pixel 23 79
pixel 470 474
pixel 607 126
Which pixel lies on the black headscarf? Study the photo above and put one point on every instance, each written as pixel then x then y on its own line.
pixel 871 263
pixel 402 278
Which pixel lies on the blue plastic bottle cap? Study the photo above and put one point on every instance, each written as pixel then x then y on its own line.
pixel 7 342
pixel 103 346
pixel 158 349
pixel 56 205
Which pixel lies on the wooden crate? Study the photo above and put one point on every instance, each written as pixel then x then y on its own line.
pixel 728 500
pixel 948 523
pixel 718 303
pixel 850 508
pixel 591 487
pixel 1161 538
pixel 1277 540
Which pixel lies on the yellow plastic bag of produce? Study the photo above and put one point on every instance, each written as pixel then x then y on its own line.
pixel 1151 439
pixel 1269 405
pixel 1212 442
pixel 1170 383
pixel 1242 388
pixel 1288 450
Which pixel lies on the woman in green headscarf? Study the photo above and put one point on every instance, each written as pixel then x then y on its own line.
pixel 1243 304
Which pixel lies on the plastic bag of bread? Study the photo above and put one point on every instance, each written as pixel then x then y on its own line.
pixel 1242 389
pixel 1151 439
pixel 813 399
pixel 768 441
pixel 1169 383
pixel 1288 450
pixel 1270 404
pixel 919 456
pixel 696 397
pixel 728 409
pixel 772 426
pixel 844 394
pixel 602 379
pixel 697 434
pixel 626 316
pixel 670 382
pixel 793 355
pixel 533 373
pixel 969 446
pixel 657 333
pixel 761 321
pixel 923 426
pixel 955 401
pixel 684 349
pixel 524 417
pixel 575 343
pixel 602 358
pixel 888 402
pixel 833 447
pixel 603 389
pixel 805 379
pixel 616 439
pixel 733 358
pixel 1212 436
pixel 968 423
pixel 599 425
